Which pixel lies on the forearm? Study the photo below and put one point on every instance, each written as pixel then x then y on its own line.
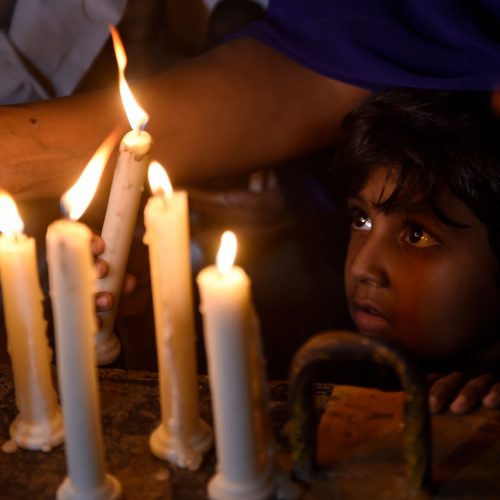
pixel 45 145
pixel 241 107
pixel 238 107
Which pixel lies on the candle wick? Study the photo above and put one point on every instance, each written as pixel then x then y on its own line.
pixel 222 272
pixel 164 199
pixel 160 193
pixel 141 127
pixel 63 209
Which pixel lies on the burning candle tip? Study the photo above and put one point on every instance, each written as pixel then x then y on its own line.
pixel 227 252
pixel 159 182
pixel 11 223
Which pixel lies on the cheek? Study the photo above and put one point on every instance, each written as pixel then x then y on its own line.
pixel 418 310
pixel 445 310
pixel 353 248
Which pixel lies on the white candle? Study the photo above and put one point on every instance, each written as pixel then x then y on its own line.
pixel 72 288
pixel 123 206
pixel 244 468
pixel 118 231
pixel 38 425
pixel 182 437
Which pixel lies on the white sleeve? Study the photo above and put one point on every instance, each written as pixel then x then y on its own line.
pixel 16 83
pixel 61 38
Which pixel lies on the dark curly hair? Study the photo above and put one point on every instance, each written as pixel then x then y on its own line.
pixel 431 140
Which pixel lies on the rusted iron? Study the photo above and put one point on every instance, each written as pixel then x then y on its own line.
pixel 351 346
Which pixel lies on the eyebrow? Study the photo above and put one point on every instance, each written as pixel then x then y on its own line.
pixel 422 206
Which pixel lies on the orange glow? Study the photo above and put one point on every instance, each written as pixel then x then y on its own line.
pixel 76 200
pixel 227 252
pixel 159 181
pixel 137 117
pixel 10 221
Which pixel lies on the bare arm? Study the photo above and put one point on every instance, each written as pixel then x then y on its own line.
pixel 238 107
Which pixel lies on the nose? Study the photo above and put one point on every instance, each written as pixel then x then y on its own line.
pixel 367 261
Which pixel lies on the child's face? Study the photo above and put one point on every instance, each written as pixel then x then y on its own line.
pixel 411 277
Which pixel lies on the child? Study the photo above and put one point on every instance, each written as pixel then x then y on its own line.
pixel 421 173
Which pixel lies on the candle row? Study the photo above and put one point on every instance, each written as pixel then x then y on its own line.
pixel 244 443
pixel 232 338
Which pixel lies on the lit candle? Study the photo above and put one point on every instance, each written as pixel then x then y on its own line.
pixel 182 437
pixel 235 368
pixel 38 425
pixel 122 209
pixel 72 288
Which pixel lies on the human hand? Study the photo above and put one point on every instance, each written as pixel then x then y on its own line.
pixel 462 394
pixel 105 300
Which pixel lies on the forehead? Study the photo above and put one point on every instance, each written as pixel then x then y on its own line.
pixel 378 185
pixel 381 182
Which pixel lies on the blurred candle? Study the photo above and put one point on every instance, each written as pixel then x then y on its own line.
pixel 182 437
pixel 123 206
pixel 38 426
pixel 244 462
pixel 72 289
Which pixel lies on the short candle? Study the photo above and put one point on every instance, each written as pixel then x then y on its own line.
pixel 243 441
pixel 38 426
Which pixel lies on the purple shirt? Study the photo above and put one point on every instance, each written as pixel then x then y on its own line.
pixel 440 44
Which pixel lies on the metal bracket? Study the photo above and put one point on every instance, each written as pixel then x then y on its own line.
pixel 345 346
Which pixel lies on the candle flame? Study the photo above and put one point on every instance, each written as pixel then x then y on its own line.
pixel 76 199
pixel 227 252
pixel 159 181
pixel 137 117
pixel 10 221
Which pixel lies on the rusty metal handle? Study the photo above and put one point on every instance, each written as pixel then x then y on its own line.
pixel 344 345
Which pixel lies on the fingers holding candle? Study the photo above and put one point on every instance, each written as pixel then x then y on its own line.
pixel 97 245
pixel 104 299
pixel 101 266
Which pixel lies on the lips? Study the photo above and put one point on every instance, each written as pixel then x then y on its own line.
pixel 368 317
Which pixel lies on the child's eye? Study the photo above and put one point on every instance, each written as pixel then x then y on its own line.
pixel 419 237
pixel 360 221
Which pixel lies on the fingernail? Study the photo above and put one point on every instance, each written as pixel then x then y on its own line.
pixel 103 301
pixel 492 400
pixel 459 405
pixel 100 268
pixel 433 404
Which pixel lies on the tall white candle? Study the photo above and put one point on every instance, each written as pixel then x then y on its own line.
pixel 123 206
pixel 182 437
pixel 72 288
pixel 244 464
pixel 38 425
pixel 118 231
